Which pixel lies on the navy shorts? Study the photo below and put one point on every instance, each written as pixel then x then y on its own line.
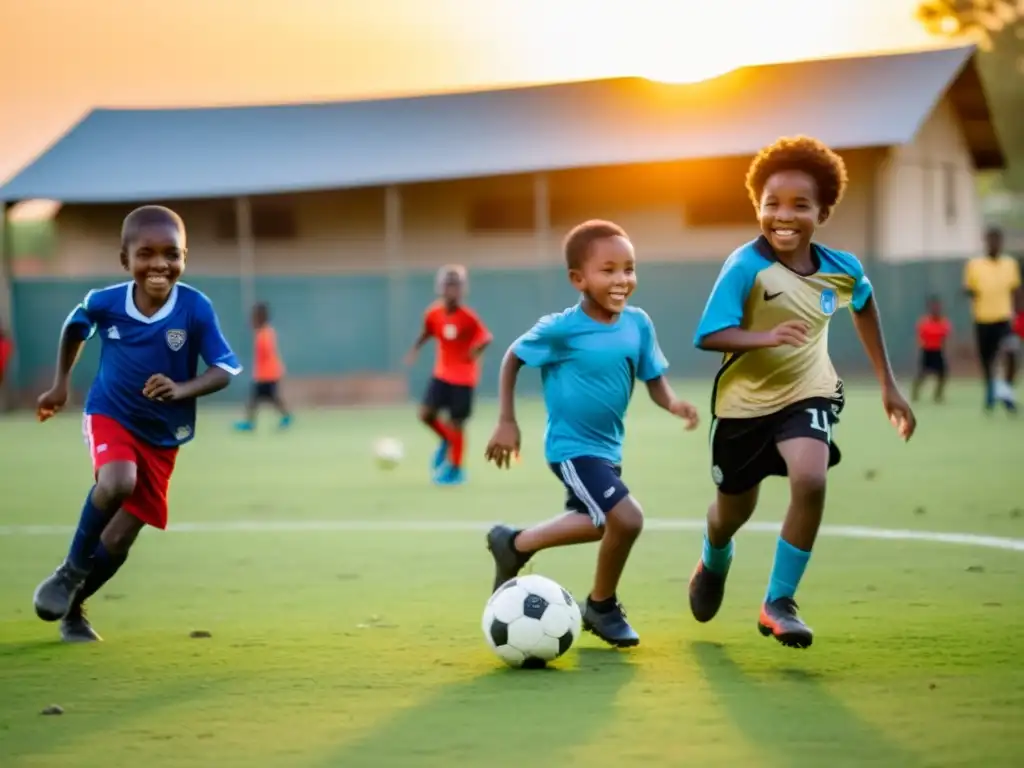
pixel 593 486
pixel 264 390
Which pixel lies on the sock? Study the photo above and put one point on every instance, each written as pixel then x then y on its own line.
pixel 457 443
pixel 443 431
pixel 717 560
pixel 104 566
pixel 91 523
pixel 604 606
pixel 787 570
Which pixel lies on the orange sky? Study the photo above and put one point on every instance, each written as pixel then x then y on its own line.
pixel 59 58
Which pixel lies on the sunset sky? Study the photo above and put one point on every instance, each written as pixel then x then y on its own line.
pixel 59 58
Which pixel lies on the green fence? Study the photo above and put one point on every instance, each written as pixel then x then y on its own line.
pixel 344 325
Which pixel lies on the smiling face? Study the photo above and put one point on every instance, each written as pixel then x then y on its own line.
pixel 607 276
pixel 155 258
pixel 790 211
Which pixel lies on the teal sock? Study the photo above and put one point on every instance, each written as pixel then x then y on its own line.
pixel 787 570
pixel 717 560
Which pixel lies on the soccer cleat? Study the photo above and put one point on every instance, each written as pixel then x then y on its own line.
pixel 244 426
pixel 707 589
pixel 449 475
pixel 75 627
pixel 779 618
pixel 508 561
pixel 285 422
pixel 611 627
pixel 440 456
pixel 54 596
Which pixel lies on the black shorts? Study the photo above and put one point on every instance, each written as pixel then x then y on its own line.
pixel 990 336
pixel 933 361
pixel 744 452
pixel 264 390
pixel 456 399
pixel 592 486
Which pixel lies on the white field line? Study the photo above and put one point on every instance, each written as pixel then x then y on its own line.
pixel 467 526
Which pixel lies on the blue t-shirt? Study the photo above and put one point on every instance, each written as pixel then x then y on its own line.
pixel 588 370
pixel 134 347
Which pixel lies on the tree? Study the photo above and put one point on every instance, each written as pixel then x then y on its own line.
pixel 997 26
pixel 979 20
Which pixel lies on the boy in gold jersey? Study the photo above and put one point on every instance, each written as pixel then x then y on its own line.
pixel 777 397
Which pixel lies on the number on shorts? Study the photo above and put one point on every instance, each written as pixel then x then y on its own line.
pixel 821 422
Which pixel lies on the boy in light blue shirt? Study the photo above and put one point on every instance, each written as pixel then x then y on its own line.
pixel 590 357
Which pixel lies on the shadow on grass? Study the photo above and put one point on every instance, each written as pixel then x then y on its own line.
pixel 503 717
pixel 791 714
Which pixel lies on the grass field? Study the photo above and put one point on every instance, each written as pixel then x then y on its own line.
pixel 338 642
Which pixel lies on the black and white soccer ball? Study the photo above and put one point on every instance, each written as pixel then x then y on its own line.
pixel 530 620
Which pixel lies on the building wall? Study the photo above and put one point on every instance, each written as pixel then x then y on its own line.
pixel 928 201
pixel 343 231
pixel 341 314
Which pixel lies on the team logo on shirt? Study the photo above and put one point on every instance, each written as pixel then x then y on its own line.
pixel 176 339
pixel 829 301
pixel 450 331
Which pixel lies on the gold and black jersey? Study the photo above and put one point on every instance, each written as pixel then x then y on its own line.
pixel 756 292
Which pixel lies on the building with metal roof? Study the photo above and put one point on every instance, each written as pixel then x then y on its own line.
pixel 125 155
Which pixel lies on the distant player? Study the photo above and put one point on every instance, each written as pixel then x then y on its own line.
pixel 268 371
pixel 776 398
pixel 6 353
pixel 462 338
pixel 993 283
pixel 589 357
pixel 932 331
pixel 140 408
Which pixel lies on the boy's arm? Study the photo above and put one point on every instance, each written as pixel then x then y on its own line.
pixel 720 328
pixel 507 378
pixel 482 338
pixel 216 353
pixel 869 328
pixel 78 328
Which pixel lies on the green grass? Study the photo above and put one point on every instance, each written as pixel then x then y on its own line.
pixel 362 648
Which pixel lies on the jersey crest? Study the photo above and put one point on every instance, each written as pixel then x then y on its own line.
pixel 829 301
pixel 450 331
pixel 176 339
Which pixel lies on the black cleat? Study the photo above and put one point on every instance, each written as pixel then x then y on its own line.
pixel 611 626
pixel 56 593
pixel 75 627
pixel 508 561
pixel 707 589
pixel 779 618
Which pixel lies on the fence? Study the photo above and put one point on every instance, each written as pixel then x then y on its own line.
pixel 335 326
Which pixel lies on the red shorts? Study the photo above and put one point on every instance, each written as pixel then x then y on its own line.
pixel 108 441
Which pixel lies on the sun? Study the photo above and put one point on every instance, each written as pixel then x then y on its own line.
pixel 682 70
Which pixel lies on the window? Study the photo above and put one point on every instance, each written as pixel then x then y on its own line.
pixel 270 221
pixel 949 192
pixel 722 209
pixel 501 215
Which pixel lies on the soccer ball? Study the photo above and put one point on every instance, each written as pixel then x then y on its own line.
pixel 530 620
pixel 388 452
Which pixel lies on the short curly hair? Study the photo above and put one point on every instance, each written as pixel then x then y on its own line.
pixel 800 153
pixel 582 236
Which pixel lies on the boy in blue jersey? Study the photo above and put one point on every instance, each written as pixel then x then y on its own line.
pixel 777 397
pixel 589 357
pixel 140 408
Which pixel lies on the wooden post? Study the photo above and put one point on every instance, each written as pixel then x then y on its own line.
pixel 9 388
pixel 394 264
pixel 542 235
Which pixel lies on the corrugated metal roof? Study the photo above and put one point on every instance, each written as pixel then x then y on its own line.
pixel 133 155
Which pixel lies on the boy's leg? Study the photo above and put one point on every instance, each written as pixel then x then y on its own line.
pixel 248 422
pixel 278 403
pixel 807 461
pixel 147 505
pixel 113 455
pixel 434 399
pixel 742 455
pixel 940 379
pixel 726 515
pixel 460 408
pixel 988 346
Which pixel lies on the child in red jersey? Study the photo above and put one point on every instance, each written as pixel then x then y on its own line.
pixel 6 353
pixel 932 331
pixel 461 339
